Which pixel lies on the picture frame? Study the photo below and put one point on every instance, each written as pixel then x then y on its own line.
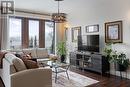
pixel 113 32
pixel 92 28
pixel 76 31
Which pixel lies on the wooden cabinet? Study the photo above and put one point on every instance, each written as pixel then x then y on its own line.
pixel 94 62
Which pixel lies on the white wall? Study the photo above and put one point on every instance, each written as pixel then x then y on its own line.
pixel 60 31
pixel 90 12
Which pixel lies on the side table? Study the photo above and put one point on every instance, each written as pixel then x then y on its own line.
pixel 58 67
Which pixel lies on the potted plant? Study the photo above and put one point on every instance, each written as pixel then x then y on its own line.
pixel 122 62
pixel 108 51
pixel 61 50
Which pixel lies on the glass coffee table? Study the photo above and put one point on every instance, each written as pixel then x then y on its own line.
pixel 58 67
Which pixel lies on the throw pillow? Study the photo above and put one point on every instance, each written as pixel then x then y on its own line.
pixel 19 64
pixel 2 55
pixel 26 56
pixel 30 64
pixel 18 55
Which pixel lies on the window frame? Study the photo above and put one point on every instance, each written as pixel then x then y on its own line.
pixel 25 43
pixel 54 39
pixel 21 25
pixel 38 28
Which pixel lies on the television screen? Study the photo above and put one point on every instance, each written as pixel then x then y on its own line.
pixel 88 43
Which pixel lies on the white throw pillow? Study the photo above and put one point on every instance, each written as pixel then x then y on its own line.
pixel 9 57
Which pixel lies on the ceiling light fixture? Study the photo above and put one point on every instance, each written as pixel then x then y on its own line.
pixel 59 17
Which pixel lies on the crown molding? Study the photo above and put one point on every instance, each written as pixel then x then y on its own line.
pixel 31 12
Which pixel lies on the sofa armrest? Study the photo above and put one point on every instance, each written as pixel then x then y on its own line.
pixel 32 78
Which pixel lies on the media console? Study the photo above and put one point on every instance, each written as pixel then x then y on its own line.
pixel 89 61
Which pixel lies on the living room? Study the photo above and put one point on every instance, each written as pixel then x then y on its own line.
pixel 94 33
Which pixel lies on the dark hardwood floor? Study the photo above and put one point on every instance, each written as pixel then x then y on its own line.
pixel 105 80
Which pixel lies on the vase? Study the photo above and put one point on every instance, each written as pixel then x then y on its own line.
pixel 120 67
pixel 63 58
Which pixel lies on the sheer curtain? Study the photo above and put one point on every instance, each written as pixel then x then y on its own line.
pixel 3 32
pixel 0 31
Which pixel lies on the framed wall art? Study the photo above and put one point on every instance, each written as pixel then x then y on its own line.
pixel 113 32
pixel 92 28
pixel 75 32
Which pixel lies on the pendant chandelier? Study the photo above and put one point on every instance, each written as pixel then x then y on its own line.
pixel 59 17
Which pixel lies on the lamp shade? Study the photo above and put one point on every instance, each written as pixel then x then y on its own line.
pixel 59 17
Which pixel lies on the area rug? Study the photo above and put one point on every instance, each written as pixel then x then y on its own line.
pixel 75 80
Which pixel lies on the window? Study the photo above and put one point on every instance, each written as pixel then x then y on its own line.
pixel 15 26
pixel 49 36
pixel 26 33
pixel 33 33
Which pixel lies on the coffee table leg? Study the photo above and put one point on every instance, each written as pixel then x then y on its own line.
pixel 67 72
pixel 56 72
pixel 55 75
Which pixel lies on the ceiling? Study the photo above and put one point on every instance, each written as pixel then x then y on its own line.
pixel 50 6
pixel 83 10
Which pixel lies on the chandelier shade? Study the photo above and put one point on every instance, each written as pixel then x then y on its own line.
pixel 59 17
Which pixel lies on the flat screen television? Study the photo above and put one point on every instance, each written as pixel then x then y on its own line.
pixel 88 43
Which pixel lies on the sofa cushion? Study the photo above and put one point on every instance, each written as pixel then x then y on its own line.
pixel 30 64
pixel 19 64
pixel 12 69
pixel 32 51
pixel 42 53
